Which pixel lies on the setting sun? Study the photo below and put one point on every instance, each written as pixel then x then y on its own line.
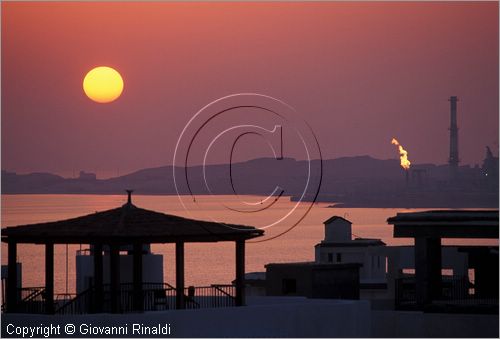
pixel 103 84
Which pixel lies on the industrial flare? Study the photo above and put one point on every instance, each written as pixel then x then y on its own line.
pixel 403 154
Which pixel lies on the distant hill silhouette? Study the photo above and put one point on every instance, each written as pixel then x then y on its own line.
pixel 354 181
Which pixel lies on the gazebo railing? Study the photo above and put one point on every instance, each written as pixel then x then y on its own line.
pixel 31 293
pixel 31 300
pixel 159 297
pixel 457 294
pixel 155 296
pixel 82 303
pixel 213 296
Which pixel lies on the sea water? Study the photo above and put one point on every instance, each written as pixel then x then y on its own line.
pixel 205 263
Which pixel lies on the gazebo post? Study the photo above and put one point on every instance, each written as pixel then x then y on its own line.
pixel 427 269
pixel 114 271
pixel 179 275
pixel 240 272
pixel 12 277
pixel 49 278
pixel 137 277
pixel 98 279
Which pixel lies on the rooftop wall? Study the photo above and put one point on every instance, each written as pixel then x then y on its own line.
pixel 264 317
pixel 387 324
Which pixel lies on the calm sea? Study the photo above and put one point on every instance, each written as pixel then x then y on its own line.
pixel 205 263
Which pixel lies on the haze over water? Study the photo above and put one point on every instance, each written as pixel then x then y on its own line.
pixel 205 263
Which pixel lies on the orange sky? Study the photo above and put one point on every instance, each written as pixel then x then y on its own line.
pixel 360 73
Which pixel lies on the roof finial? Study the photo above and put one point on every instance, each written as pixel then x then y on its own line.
pixel 129 200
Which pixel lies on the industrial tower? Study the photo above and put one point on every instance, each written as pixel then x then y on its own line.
pixel 453 161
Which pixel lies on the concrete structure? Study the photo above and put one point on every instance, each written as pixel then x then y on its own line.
pixel 342 268
pixel 255 284
pixel 152 267
pixel 428 228
pixel 340 265
pixel 340 281
pixel 401 263
pixel 338 247
pixel 337 229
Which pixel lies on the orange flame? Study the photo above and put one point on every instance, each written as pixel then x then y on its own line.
pixel 403 155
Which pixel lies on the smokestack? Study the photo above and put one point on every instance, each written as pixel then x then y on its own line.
pixel 453 160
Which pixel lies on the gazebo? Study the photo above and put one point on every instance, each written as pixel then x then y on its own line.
pixel 126 225
pixel 427 228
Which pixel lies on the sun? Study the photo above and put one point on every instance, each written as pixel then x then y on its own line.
pixel 103 84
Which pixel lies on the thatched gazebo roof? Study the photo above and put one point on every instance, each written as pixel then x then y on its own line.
pixel 127 224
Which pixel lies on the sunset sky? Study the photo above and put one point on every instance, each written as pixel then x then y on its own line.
pixel 359 73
